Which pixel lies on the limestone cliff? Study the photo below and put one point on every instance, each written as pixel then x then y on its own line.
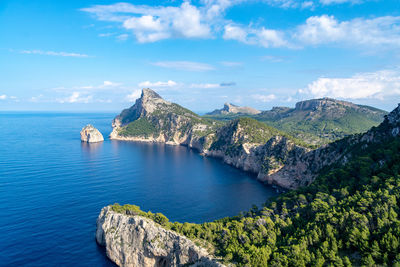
pixel 234 109
pixel 133 240
pixel 253 146
pixel 91 135
pixel 153 119
pixel 304 170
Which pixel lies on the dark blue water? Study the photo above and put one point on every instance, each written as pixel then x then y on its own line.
pixel 52 187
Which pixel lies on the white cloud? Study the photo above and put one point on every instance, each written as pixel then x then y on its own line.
pixel 109 84
pixel 274 59
pixel 36 98
pixel 52 53
pixel 307 3
pixel 263 98
pixel 151 24
pixel 133 96
pixel 207 20
pixel 205 85
pixel 3 97
pixel 261 36
pixel 231 64
pixel 106 85
pixel 233 32
pixel 148 84
pixel 330 2
pixel 184 65
pixel 377 85
pixel 108 34
pixel 122 37
pixel 76 97
pixel 327 29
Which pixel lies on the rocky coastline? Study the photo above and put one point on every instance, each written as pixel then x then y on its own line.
pixel 132 240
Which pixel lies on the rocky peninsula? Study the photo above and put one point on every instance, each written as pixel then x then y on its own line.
pixel 134 240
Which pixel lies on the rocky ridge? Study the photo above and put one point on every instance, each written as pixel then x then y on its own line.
pixel 234 109
pixel 305 169
pixel 133 240
pixel 90 134
pixel 153 119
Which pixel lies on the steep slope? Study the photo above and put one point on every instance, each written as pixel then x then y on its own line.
pixel 349 216
pixel 133 239
pixel 253 146
pixel 234 109
pixel 319 121
pixel 153 119
pixel 305 169
pixel 244 143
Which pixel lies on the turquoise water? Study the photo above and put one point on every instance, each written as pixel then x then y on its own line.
pixel 52 187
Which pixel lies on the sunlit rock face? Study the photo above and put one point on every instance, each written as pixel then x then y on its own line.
pixel 132 240
pixel 90 134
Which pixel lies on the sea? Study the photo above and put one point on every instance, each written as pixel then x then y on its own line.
pixel 53 186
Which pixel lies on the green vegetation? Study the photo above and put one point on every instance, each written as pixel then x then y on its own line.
pixel 139 127
pixel 316 126
pixel 348 216
pixel 250 131
pixel 135 210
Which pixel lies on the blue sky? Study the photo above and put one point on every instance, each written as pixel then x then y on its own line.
pixel 97 55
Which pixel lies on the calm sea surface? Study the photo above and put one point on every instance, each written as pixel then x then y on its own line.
pixel 52 187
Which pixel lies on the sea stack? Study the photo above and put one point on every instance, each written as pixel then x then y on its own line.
pixel 90 134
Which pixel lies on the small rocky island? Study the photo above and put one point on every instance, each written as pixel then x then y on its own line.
pixel 90 134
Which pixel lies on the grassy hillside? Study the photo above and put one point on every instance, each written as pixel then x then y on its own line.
pixel 320 125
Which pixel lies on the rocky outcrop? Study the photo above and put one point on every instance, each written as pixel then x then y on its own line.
pixel 234 109
pixel 304 169
pixel 255 147
pixel 133 240
pixel 153 119
pixel 90 134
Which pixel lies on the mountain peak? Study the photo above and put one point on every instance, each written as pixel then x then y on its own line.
pixel 319 103
pixel 393 117
pixel 149 93
pixel 230 108
pixel 228 105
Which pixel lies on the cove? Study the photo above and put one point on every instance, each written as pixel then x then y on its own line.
pixel 52 186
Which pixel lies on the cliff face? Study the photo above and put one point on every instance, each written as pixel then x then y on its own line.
pixel 91 135
pixel 132 240
pixel 304 170
pixel 234 109
pixel 153 119
pixel 253 146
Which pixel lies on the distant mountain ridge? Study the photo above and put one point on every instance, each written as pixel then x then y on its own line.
pixel 318 121
pixel 234 109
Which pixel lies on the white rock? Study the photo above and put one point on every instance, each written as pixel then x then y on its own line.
pixel 91 135
pixel 133 240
